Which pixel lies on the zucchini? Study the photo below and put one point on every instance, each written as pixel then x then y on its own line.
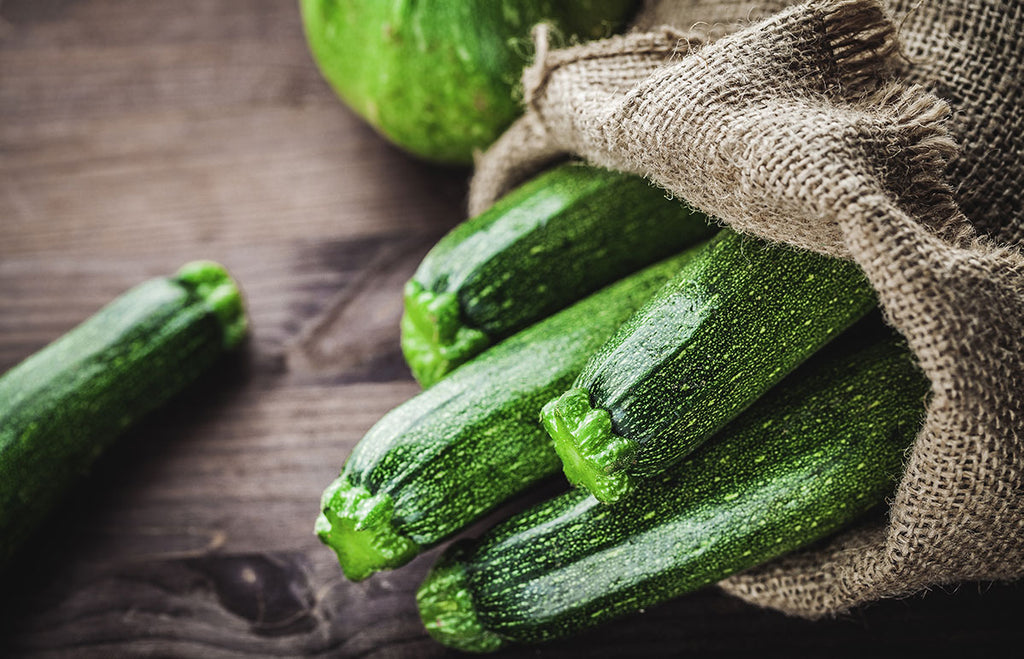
pixel 550 242
pixel 441 460
pixel 807 459
pixel 732 323
pixel 61 407
pixel 437 77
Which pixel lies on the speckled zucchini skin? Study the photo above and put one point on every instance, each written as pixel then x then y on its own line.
pixel 811 456
pixel 550 242
pixel 438 77
pixel 739 317
pixel 62 406
pixel 444 458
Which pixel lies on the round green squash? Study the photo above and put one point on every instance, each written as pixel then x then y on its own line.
pixel 438 77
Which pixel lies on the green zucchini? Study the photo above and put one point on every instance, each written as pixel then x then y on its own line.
pixel 437 77
pixel 732 323
pixel 62 406
pixel 445 457
pixel 810 457
pixel 550 242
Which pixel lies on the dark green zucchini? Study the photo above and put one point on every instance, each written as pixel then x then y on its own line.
pixel 818 451
pixel 444 458
pixel 62 406
pixel 739 317
pixel 550 242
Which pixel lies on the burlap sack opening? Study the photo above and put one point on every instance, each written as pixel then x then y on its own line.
pixel 827 125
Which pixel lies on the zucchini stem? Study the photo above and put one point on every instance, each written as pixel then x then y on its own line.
pixel 434 339
pixel 447 610
pixel 212 283
pixel 357 526
pixel 593 456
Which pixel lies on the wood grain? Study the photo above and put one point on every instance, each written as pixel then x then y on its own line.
pixel 136 136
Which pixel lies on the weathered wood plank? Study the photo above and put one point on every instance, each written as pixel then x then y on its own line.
pixel 122 56
pixel 291 604
pixel 147 184
pixel 44 23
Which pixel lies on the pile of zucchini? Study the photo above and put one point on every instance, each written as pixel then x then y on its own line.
pixel 587 323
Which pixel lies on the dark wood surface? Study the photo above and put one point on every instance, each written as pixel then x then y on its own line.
pixel 137 135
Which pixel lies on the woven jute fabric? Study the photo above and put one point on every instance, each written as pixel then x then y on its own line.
pixel 891 134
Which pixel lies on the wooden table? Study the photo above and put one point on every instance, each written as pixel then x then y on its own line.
pixel 135 136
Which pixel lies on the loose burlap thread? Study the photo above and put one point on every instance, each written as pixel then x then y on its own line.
pixel 892 135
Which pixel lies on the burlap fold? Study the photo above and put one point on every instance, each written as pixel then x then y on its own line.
pixel 827 125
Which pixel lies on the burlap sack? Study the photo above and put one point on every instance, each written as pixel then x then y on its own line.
pixel 827 125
